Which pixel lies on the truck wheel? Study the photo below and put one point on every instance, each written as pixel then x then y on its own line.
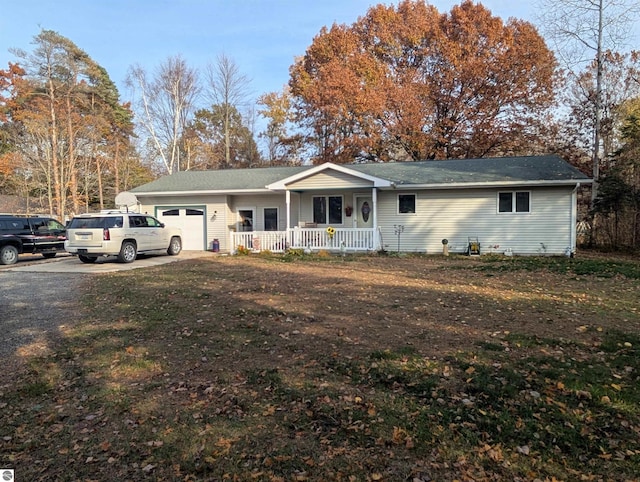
pixel 175 246
pixel 87 259
pixel 8 254
pixel 128 252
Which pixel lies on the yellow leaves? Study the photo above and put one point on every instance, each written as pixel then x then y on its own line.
pixel 616 386
pixel 493 452
pixel 401 437
pixel 224 444
pixel 270 410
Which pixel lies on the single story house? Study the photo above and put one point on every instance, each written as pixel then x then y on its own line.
pixel 511 205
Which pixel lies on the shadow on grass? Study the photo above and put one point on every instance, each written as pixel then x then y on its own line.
pixel 257 370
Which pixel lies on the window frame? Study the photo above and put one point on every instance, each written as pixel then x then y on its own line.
pixel 327 206
pixel 415 204
pixel 264 218
pixel 514 202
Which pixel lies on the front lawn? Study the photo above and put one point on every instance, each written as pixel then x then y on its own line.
pixel 295 368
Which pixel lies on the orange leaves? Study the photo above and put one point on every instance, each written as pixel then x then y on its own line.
pixel 439 85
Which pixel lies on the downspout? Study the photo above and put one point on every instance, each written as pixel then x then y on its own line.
pixel 574 218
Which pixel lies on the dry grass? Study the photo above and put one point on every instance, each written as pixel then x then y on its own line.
pixel 368 368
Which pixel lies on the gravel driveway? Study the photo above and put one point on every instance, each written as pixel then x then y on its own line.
pixel 33 306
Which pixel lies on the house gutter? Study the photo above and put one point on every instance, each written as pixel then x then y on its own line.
pixel 180 193
pixel 471 185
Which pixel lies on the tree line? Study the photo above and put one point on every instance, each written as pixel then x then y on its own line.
pixel 404 82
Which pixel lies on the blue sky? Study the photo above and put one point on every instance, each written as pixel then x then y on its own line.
pixel 262 37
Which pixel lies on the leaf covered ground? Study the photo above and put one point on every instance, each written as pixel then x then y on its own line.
pixel 294 368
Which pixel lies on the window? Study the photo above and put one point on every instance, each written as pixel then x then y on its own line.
pixel 406 203
pixel 514 202
pixel 270 219
pixel 327 209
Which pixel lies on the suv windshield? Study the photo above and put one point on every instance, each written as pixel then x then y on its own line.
pixel 96 222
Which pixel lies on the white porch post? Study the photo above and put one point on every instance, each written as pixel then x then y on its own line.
pixel 288 202
pixel 374 198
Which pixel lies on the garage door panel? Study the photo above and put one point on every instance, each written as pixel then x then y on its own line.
pixel 191 221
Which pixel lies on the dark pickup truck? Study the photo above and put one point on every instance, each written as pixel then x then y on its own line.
pixel 29 234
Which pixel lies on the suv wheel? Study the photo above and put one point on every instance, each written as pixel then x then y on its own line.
pixel 87 259
pixel 8 255
pixel 175 246
pixel 128 252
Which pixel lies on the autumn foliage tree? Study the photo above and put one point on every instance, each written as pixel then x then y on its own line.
pixel 62 123
pixel 406 82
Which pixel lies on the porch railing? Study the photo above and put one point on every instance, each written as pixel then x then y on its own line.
pixel 314 239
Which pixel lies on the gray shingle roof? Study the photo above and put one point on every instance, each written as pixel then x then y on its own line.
pixel 492 170
pixel 455 171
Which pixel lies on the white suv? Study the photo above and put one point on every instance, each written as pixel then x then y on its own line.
pixel 119 234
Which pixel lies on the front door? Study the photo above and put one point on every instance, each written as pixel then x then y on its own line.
pixel 364 212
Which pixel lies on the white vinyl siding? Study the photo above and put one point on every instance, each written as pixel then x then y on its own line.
pixel 457 215
pixel 330 179
pixel 258 204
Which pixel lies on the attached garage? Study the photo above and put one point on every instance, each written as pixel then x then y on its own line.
pixel 191 219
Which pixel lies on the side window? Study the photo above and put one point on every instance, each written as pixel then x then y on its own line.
pixel 505 202
pixel 406 203
pixel 138 221
pixel 152 222
pixel 522 202
pixel 39 225
pixel 514 202
pixel 54 225
pixel 114 222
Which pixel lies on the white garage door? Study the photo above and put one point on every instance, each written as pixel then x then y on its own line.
pixel 191 221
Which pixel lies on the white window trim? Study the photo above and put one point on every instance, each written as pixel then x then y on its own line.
pixel 513 203
pixel 327 196
pixel 277 217
pixel 415 196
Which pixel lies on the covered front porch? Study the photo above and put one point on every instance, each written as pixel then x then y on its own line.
pixel 328 207
pixel 309 238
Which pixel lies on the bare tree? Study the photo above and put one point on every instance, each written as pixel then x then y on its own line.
pixel 583 30
pixel 165 105
pixel 227 88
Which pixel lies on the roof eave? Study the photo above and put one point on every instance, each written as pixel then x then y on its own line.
pixel 209 192
pixel 471 185
pixel 283 183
